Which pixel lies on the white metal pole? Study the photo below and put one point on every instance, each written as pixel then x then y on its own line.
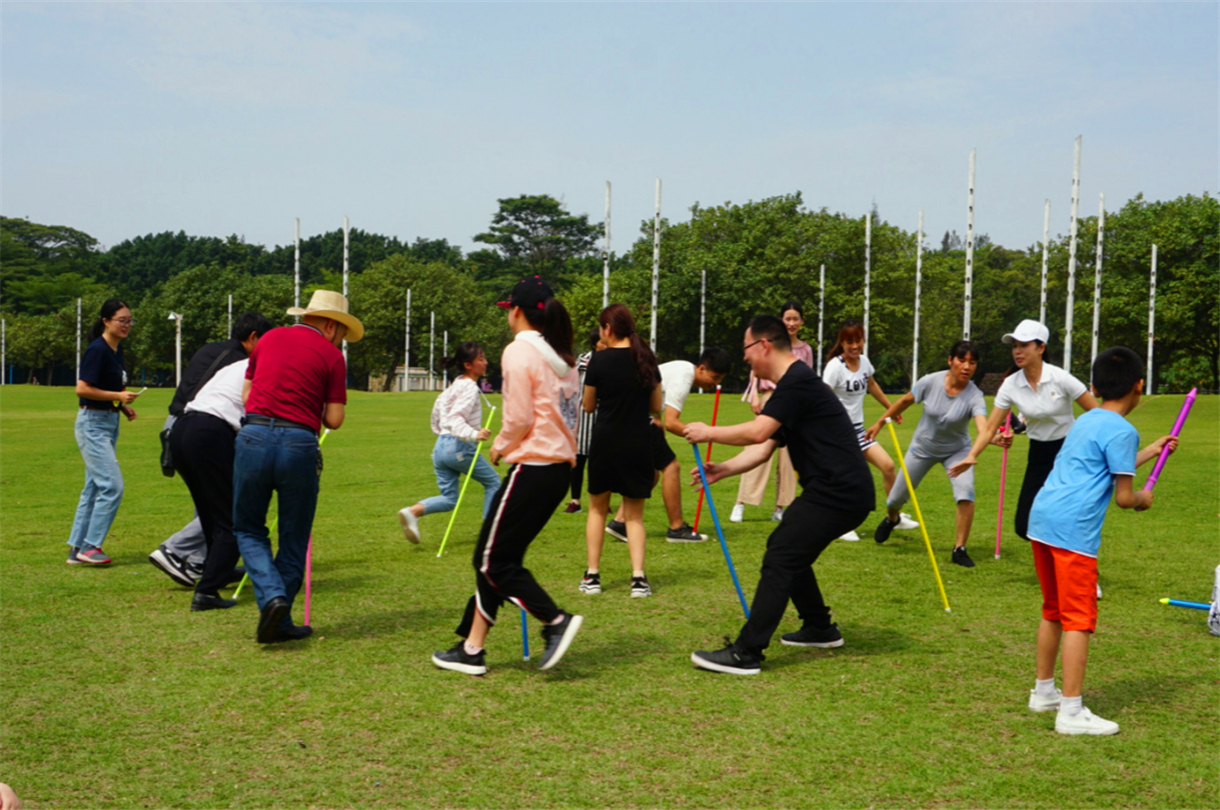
pixel 1151 321
pixel 1046 235
pixel 821 311
pixel 1071 285
pixel 346 228
pixel 606 254
pixel 78 338
pixel 4 353
pixel 445 354
pixel 230 315
pixel 431 351
pixel 968 292
pixel 296 268
pixel 868 255
pixel 178 351
pixel 656 268
pixel 702 309
pixel 1101 228
pixel 406 353
pixel 918 276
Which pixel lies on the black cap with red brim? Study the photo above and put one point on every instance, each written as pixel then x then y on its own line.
pixel 529 293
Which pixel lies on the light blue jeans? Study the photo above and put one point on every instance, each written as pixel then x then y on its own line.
pixel 451 460
pixel 97 433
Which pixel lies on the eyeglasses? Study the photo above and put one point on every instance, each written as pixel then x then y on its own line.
pixel 123 321
pixel 755 343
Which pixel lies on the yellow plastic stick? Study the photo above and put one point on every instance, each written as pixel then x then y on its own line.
pixel 466 483
pixel 918 514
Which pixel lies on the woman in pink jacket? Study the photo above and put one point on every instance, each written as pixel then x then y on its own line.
pixel 541 402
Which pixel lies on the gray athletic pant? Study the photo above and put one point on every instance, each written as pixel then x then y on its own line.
pixel 189 542
pixel 918 466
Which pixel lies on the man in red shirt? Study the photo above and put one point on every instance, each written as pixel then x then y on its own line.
pixel 296 382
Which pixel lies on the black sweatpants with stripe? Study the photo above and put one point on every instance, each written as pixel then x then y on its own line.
pixel 527 498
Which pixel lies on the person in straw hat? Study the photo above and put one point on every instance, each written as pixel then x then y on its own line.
pixel 296 382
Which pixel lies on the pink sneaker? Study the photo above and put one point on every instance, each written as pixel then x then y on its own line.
pixel 93 556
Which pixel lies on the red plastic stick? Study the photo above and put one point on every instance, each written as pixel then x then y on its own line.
pixel 715 410
pixel 999 515
pixel 308 576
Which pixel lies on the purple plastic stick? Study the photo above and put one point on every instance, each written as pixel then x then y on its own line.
pixel 1177 428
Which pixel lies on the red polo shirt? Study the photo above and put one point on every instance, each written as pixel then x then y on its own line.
pixel 294 371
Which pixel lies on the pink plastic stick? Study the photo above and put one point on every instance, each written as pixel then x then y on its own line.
pixel 308 576
pixel 1177 428
pixel 999 515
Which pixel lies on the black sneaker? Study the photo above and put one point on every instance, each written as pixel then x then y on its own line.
pixel 730 660
pixel 684 534
pixel 884 528
pixel 617 529
pixel 960 557
pixel 557 638
pixel 640 587
pixel 457 659
pixel 814 637
pixel 591 583
pixel 173 567
pixel 210 601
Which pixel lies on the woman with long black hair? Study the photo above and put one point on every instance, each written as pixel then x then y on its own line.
pixel 101 387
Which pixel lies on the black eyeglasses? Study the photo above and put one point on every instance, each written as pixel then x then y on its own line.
pixel 755 343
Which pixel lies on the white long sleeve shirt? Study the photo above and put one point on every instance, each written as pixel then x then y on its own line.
pixel 458 411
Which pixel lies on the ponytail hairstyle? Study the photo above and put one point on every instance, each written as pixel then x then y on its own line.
pixel 553 321
pixel 618 318
pixel 465 353
pixel 850 330
pixel 109 309
pixel 1014 368
pixel 963 349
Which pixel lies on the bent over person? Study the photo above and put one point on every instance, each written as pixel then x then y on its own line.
pixel 837 494
pixel 296 382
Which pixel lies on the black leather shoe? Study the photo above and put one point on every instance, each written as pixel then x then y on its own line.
pixel 238 575
pixel 294 633
pixel 210 601
pixel 269 620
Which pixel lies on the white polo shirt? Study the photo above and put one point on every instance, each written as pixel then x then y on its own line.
pixel 1047 411
pixel 221 396
pixel 677 379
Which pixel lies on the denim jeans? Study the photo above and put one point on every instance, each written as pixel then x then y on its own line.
pixel 97 433
pixel 283 460
pixel 451 460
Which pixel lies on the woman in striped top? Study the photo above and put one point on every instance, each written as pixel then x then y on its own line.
pixel 584 428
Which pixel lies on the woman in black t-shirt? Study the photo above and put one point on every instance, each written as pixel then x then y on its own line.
pixel 101 387
pixel 624 386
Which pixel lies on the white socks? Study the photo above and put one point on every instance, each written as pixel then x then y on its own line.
pixel 1044 688
pixel 1071 705
pixel 471 649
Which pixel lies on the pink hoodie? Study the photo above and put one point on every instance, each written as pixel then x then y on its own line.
pixel 541 403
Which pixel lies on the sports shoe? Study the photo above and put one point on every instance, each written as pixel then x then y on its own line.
pixel 72 552
pixel 814 637
pixel 93 556
pixel 173 567
pixel 1099 590
pixel 591 583
pixel 640 587
pixel 194 570
pixel 617 529
pixel 730 660
pixel 684 534
pixel 457 659
pixel 1044 703
pixel 960 557
pixel 1084 723
pixel 410 524
pixel 557 638
pixel 905 521
pixel 269 620
pixel 295 632
pixel 882 532
pixel 778 514
pixel 850 537
pixel 738 513
pixel 572 508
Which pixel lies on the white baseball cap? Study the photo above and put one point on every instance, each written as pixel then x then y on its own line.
pixel 1028 330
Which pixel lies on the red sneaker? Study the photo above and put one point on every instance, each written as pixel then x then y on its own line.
pixel 93 556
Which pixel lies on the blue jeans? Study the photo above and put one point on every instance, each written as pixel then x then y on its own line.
pixel 451 460
pixel 97 433
pixel 282 460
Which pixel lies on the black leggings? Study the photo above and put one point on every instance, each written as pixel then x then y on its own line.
pixel 578 476
pixel 1037 470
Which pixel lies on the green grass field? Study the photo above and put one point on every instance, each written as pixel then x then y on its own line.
pixel 112 694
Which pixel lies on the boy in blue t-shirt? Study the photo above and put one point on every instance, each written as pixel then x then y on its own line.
pixel 1099 456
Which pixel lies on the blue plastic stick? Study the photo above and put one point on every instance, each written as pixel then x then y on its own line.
pixel 525 638
pixel 1185 604
pixel 719 531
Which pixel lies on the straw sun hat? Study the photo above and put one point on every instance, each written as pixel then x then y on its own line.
pixel 333 305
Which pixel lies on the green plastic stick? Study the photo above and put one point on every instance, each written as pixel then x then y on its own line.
pixel 466 483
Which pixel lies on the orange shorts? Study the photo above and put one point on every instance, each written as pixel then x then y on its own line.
pixel 1069 586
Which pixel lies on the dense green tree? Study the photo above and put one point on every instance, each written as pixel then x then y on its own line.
pixel 535 234
pixel 44 266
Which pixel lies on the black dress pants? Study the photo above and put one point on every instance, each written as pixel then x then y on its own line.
pixel 203 449
pixel 1042 457
pixel 787 570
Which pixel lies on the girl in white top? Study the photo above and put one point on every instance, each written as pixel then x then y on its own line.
pixel 457 421
pixel 850 375
pixel 1043 394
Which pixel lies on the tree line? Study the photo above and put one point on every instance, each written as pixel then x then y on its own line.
pixel 756 255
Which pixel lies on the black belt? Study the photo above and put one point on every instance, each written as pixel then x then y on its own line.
pixel 109 408
pixel 274 422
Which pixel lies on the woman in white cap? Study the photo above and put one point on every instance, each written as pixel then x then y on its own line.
pixel 1043 395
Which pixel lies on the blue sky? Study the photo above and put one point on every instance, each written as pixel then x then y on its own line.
pixel 125 119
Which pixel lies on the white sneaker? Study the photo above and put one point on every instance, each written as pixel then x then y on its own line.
pixel 739 512
pixel 1084 723
pixel 905 521
pixel 1099 591
pixel 410 524
pixel 778 514
pixel 1042 703
pixel 850 537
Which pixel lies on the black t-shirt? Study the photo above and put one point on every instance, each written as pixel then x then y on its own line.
pixel 821 441
pixel 102 367
pixel 193 379
pixel 622 402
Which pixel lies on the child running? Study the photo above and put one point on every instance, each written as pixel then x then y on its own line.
pixel 1097 459
pixel 849 374
pixel 457 421
pixel 540 404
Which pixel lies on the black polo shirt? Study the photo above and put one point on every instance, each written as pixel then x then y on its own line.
pixel 102 367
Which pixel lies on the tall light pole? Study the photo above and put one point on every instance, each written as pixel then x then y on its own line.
pixel 821 311
pixel 296 269
pixel 406 355
pixel 1151 321
pixel 78 338
pixel 969 289
pixel 656 268
pixel 177 318
pixel 868 253
pixel 918 277
pixel 606 254
pixel 1071 285
pixel 346 228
